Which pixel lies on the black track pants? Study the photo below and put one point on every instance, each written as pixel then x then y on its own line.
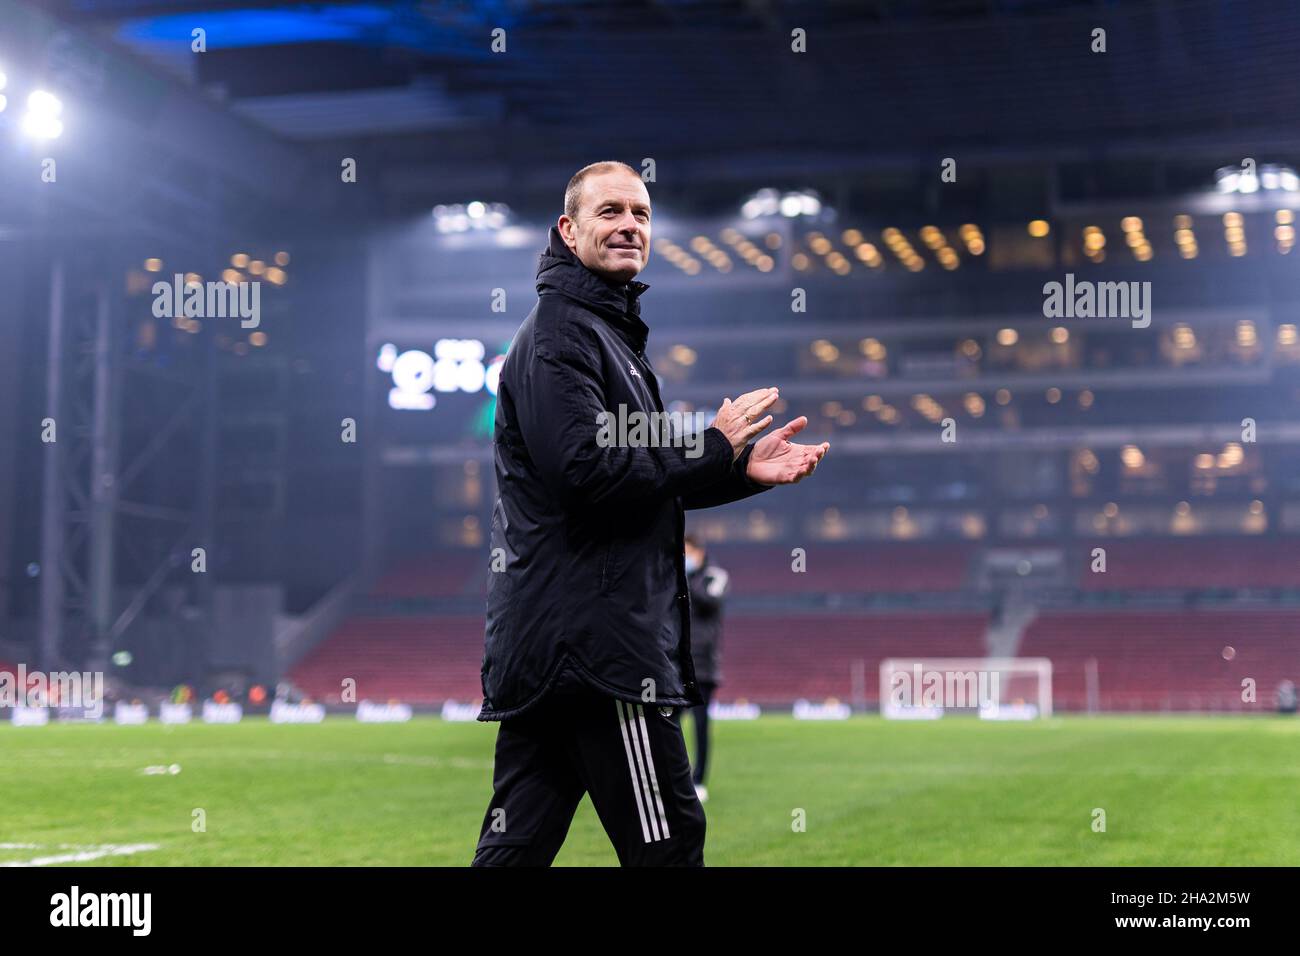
pixel 630 757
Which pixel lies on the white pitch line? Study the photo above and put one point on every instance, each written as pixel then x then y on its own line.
pixel 107 849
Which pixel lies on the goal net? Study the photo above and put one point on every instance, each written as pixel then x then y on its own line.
pixel 994 688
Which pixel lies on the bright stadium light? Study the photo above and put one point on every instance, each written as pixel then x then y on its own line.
pixel 765 202
pixel 42 119
pixel 4 100
pixel 1270 177
pixel 476 215
pixel 768 202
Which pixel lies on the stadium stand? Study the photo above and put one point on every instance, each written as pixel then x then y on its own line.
pixel 417 660
pixel 857 568
pixel 769 659
pixel 1187 660
pixel 776 659
pixel 847 568
pixel 434 575
pixel 1196 563
pixel 1146 659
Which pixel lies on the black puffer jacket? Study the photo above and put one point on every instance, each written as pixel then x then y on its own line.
pixel 592 587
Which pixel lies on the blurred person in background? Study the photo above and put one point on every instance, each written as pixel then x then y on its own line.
pixel 708 587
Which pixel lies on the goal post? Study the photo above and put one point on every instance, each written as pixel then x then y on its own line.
pixel 993 688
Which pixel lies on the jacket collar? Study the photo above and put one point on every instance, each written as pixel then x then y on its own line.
pixel 559 270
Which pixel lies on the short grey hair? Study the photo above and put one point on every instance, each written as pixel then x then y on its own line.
pixel 573 192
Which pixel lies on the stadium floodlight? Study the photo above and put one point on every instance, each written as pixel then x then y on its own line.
pixel 4 100
pixel 791 205
pixel 1269 178
pixel 768 202
pixel 43 111
pixel 765 202
pixel 476 215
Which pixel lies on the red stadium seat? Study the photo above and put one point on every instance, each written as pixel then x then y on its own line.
pixel 1167 660
pixel 1194 563
pixel 768 659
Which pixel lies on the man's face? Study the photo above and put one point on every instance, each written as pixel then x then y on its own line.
pixel 611 235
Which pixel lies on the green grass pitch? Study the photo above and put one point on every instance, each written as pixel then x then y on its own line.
pixel 1175 791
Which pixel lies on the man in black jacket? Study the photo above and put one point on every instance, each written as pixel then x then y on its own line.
pixel 587 647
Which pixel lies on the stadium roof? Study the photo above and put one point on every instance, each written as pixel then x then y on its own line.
pixel 883 77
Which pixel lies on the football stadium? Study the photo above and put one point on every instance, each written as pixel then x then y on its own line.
pixel 276 521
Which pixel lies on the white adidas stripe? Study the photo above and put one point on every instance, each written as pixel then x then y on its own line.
pixel 640 762
pixel 654 779
pixel 632 770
